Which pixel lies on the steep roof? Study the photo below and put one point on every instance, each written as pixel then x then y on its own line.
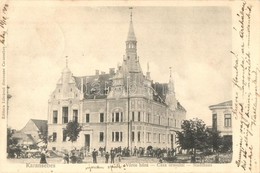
pixel 131 33
pixel 41 124
pixel 101 81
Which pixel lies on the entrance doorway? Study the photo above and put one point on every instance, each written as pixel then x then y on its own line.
pixel 87 142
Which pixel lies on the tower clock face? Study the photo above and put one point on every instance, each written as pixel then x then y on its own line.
pixel 132 88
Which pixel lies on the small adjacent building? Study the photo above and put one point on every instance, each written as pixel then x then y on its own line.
pixel 222 118
pixel 30 133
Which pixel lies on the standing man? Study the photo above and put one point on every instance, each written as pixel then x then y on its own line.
pixel 113 157
pixel 94 156
pixel 107 157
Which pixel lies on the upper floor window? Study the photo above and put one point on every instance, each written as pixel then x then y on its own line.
pixel 101 117
pixel 214 121
pixel 139 116
pixel 227 121
pixel 75 115
pixel 87 118
pixel 117 117
pixel 55 117
pixel 148 118
pixel 65 114
pixel 133 116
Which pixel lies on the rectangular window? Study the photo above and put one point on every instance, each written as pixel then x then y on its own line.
pixel 87 118
pixel 101 117
pixel 148 137
pixel 101 136
pixel 54 137
pixel 159 120
pixel 121 116
pixel 168 121
pixel 174 122
pixel 227 120
pixel 148 117
pixel 133 116
pixel 159 138
pixel 133 136
pixel 65 114
pixel 64 136
pixel 139 116
pixel 55 117
pixel 139 136
pixel 214 121
pixel 75 115
pixel 113 136
pixel 117 136
pixel 113 117
pixel 121 136
pixel 117 116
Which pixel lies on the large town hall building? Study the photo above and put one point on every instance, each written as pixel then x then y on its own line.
pixel 121 108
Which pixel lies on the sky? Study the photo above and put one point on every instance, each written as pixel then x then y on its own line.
pixel 194 41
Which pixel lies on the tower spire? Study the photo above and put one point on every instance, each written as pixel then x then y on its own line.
pixel 131 33
pixel 131 14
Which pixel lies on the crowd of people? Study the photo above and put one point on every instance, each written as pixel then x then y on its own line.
pixel 120 152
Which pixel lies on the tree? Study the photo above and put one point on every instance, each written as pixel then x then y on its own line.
pixel 72 130
pixel 214 139
pixel 43 135
pixel 193 135
pixel 11 143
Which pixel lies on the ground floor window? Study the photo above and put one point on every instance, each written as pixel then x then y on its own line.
pixel 101 136
pixel 54 137
pixel 117 136
pixel 139 136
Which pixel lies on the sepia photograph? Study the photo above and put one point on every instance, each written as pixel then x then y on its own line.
pixel 128 87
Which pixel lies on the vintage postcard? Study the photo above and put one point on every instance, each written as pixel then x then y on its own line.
pixel 130 86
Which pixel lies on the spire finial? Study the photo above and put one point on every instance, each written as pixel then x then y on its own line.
pixel 67 61
pixel 147 66
pixel 131 14
pixel 170 72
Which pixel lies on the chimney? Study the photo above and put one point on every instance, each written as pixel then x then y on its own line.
pixel 97 72
pixel 112 71
pixel 102 72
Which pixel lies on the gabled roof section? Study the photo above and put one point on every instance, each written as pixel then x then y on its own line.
pixel 41 124
pixel 94 86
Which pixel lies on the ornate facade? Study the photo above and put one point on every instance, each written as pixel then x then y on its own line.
pixel 120 108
